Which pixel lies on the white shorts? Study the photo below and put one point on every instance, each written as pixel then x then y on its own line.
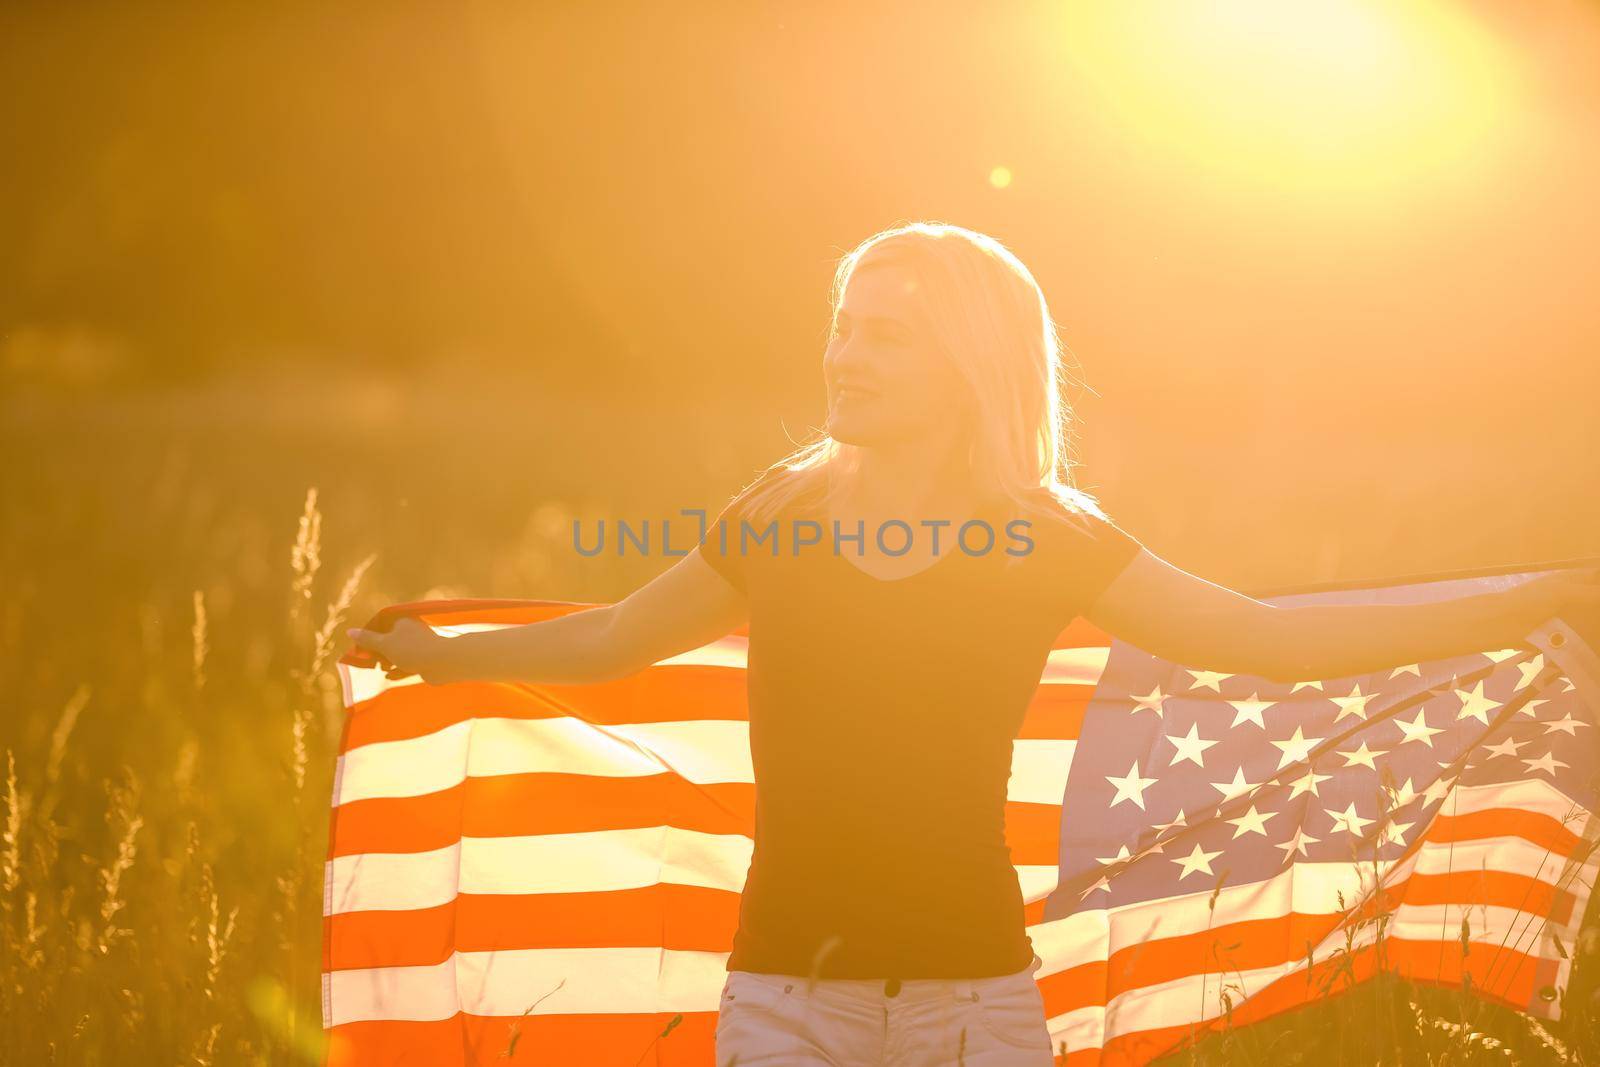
pixel 768 1020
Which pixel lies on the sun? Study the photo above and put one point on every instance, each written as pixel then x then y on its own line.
pixel 1313 95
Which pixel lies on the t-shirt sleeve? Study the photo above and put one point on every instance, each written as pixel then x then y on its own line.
pixel 1108 554
pixel 721 545
pixel 1086 554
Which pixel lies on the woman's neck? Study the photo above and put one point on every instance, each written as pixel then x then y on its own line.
pixel 910 483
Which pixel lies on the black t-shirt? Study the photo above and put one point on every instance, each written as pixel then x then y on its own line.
pixel 882 716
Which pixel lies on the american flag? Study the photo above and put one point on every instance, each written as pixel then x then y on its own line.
pixel 553 872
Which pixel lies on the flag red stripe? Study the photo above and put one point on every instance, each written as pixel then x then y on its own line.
pixel 1509 977
pixel 1537 827
pixel 528 806
pixel 543 1039
pixel 1056 712
pixel 658 695
pixel 513 805
pixel 1258 943
pixel 697 918
pixel 1504 889
pixel 667 915
pixel 1432 962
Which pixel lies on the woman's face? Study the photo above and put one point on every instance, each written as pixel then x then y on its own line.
pixel 887 381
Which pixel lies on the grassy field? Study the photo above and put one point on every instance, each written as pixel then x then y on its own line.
pixel 178 574
pixel 177 568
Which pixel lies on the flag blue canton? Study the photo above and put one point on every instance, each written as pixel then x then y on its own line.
pixel 1185 780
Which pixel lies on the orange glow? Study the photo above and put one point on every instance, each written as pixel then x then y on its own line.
pixel 1307 97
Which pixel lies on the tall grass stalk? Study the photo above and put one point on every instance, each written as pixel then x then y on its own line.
pixel 123 816
pixel 200 640
pixel 305 558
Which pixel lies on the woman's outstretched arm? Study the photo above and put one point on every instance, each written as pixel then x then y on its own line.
pixel 684 607
pixel 1184 619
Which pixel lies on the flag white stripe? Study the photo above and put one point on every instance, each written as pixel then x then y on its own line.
pixel 608 860
pixel 597 861
pixel 1039 769
pixel 506 982
pixel 702 751
pixel 1305 889
pixel 1076 666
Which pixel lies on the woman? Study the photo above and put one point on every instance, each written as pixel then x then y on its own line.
pixel 931 545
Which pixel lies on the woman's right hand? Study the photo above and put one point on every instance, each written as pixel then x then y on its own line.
pixel 409 648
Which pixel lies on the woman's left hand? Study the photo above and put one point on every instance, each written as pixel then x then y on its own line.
pixel 409 648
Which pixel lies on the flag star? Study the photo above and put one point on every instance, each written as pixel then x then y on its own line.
pixel 1181 820
pixel 1304 685
pixel 1394 833
pixel 1437 790
pixel 1501 655
pixel 1207 679
pixel 1546 762
pixel 1122 854
pixel 1155 701
pixel 1154 848
pixel 1251 822
pixel 1197 861
pixel 1508 747
pixel 1475 705
pixel 1567 725
pixel 1308 784
pixel 1236 788
pixel 1399 798
pixel 1567 686
pixel 1410 668
pixel 1297 843
pixel 1102 884
pixel 1131 787
pixel 1250 710
pixel 1527 709
pixel 1296 749
pixel 1529 671
pixel 1417 729
pixel 1362 756
pixel 1348 821
pixel 1354 704
pixel 1190 748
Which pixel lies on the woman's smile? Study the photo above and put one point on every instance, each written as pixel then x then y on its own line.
pixel 854 394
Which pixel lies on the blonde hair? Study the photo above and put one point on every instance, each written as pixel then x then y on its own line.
pixel 989 316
